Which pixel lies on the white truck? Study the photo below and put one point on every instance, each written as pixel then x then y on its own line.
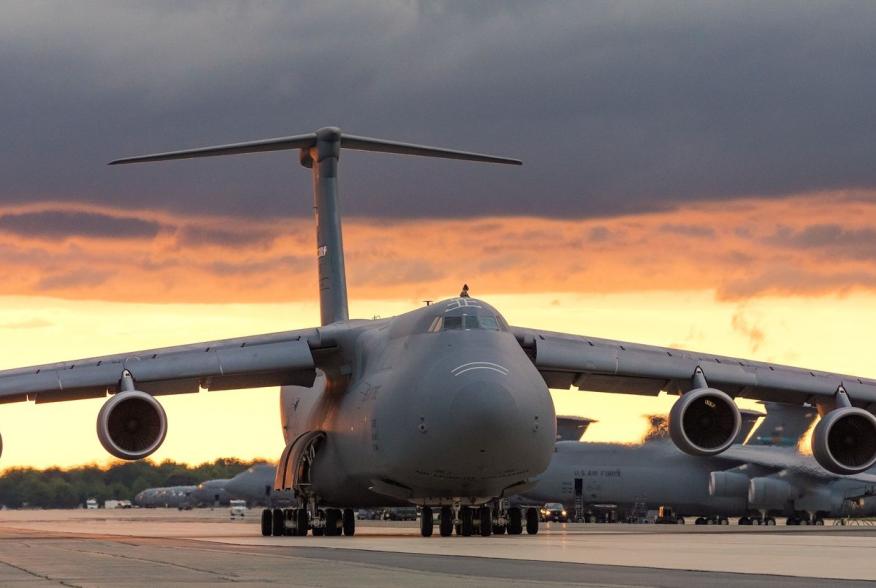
pixel 238 509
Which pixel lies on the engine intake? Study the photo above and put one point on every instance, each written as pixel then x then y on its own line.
pixel 131 425
pixel 844 441
pixel 704 421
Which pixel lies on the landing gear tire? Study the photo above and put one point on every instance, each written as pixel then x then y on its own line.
pixel 515 521
pixel 278 522
pixel 499 529
pixel 349 522
pixel 723 521
pixel 744 521
pixel 467 526
pixel 445 521
pixel 769 521
pixel 679 520
pixel 332 522
pixel 531 521
pixel 818 522
pixel 426 523
pixel 302 523
pixel 267 518
pixel 700 521
pixel 486 521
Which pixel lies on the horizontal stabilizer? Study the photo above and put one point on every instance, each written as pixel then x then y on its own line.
pixel 310 140
pixel 381 146
pixel 278 144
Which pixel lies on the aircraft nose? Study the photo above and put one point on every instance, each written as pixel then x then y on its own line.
pixel 483 412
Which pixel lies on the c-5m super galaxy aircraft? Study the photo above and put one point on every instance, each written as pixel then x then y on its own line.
pixel 755 480
pixel 444 406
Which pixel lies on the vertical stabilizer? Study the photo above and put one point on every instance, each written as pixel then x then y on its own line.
pixel 323 161
pixel 321 151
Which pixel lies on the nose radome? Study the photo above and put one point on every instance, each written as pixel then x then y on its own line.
pixel 484 412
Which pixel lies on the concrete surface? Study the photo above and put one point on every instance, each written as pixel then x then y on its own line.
pixel 159 547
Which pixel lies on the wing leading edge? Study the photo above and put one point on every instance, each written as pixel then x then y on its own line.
pixel 604 365
pixel 247 362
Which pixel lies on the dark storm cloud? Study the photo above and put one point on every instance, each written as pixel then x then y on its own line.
pixel 614 106
pixel 830 240
pixel 59 224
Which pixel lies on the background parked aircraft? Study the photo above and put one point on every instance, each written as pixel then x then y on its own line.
pixel 166 497
pixel 753 481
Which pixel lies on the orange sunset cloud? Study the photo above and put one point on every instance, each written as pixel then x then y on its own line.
pixel 811 244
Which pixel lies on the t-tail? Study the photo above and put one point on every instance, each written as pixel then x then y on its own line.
pixel 320 151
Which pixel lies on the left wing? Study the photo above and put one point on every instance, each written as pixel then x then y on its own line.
pixel 604 365
pixel 246 362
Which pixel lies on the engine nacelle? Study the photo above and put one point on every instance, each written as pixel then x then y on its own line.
pixel 728 484
pixel 769 493
pixel 844 441
pixel 131 425
pixel 704 421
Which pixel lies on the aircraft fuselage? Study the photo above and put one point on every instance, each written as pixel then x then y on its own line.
pixel 437 405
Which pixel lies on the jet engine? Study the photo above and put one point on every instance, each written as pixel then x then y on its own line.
pixel 728 484
pixel 769 493
pixel 131 425
pixel 844 441
pixel 704 421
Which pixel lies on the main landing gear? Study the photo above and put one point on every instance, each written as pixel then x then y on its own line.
pixel 804 518
pixel 296 522
pixel 484 521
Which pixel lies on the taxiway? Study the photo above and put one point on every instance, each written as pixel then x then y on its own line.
pixel 154 547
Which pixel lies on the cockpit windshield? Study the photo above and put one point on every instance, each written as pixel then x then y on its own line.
pixel 465 322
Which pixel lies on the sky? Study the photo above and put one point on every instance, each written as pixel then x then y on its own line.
pixel 695 174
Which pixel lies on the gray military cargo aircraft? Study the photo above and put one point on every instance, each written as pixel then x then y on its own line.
pixel 753 481
pixel 211 493
pixel 445 406
pixel 255 485
pixel 166 497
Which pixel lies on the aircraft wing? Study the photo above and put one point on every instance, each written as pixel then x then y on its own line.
pixel 247 362
pixel 604 365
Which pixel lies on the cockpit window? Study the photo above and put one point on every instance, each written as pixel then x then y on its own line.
pixel 465 322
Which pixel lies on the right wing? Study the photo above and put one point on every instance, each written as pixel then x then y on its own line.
pixel 604 365
pixel 246 362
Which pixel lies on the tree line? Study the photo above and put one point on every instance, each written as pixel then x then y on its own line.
pixel 69 488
